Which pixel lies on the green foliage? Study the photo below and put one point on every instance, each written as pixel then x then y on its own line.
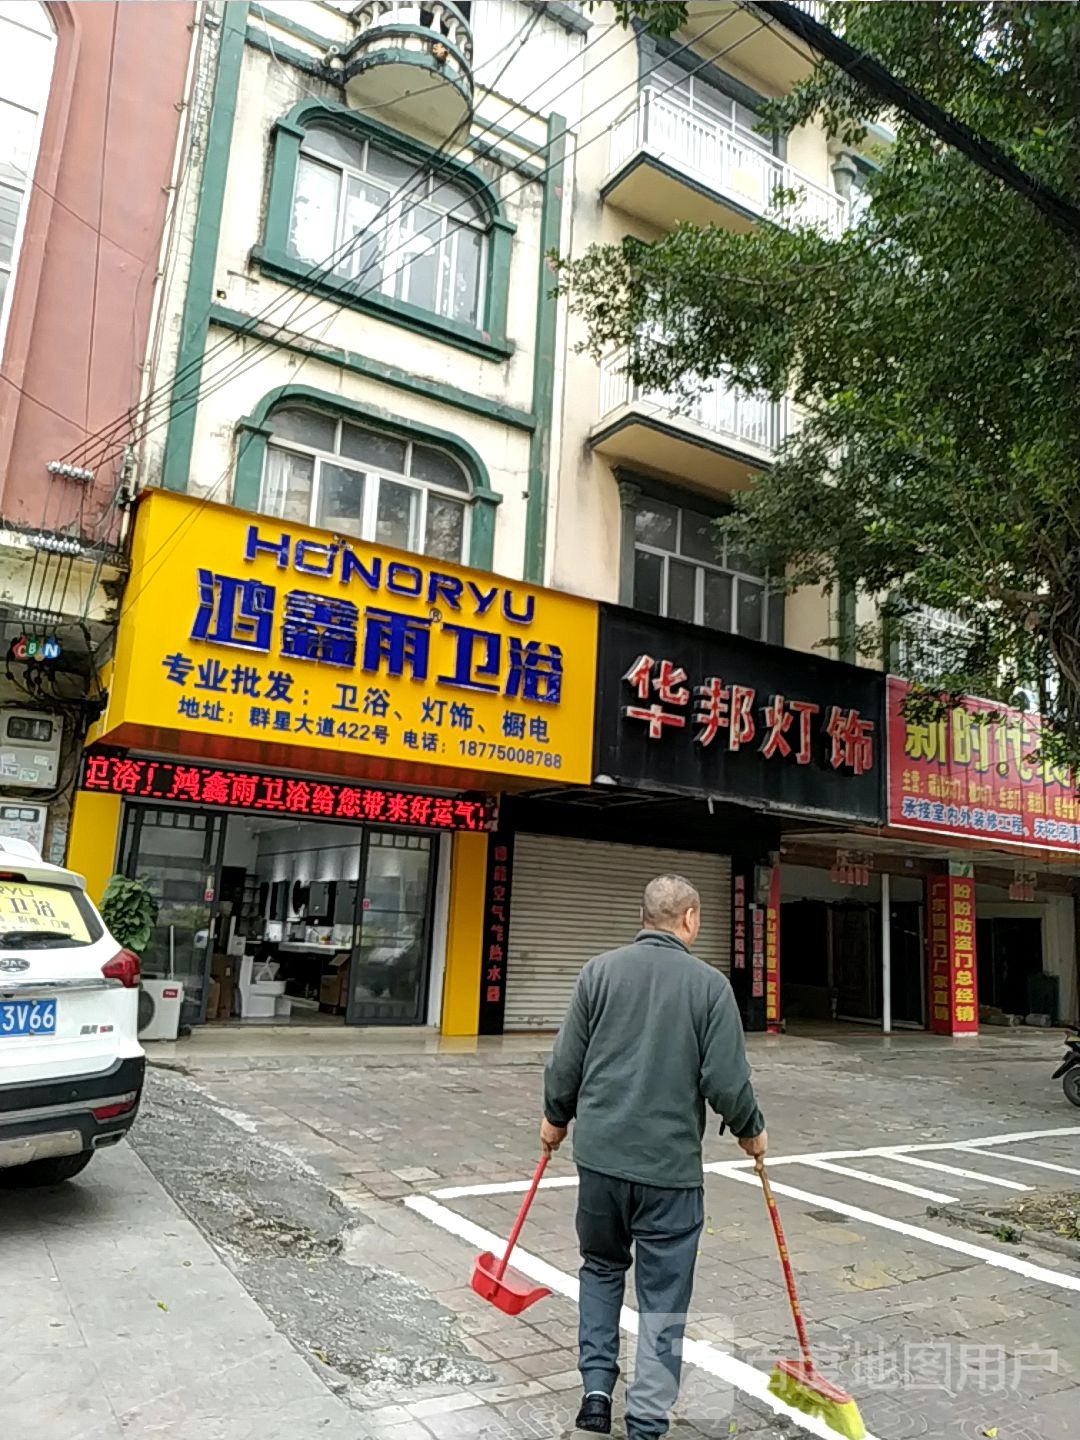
pixel 657 16
pixel 933 350
pixel 130 910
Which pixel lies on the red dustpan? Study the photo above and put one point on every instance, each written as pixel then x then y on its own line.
pixel 492 1280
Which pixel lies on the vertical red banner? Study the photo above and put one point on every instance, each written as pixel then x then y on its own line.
pixel 954 1004
pixel 772 955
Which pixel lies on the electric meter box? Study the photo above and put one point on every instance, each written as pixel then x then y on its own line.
pixel 30 749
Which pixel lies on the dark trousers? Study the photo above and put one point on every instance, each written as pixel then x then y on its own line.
pixel 663 1227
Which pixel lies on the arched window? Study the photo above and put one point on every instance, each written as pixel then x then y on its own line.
pixel 27 43
pixel 390 223
pixel 381 223
pixel 331 472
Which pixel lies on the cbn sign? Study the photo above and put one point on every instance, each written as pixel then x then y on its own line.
pixel 244 627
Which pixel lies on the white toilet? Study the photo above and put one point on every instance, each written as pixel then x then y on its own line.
pixel 260 990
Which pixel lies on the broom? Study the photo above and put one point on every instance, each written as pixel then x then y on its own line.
pixel 796 1382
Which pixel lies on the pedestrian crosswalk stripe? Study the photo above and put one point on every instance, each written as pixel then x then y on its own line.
pixel 887 1184
pixel 955 1170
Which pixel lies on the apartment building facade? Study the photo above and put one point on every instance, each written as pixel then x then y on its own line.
pixel 452 660
pixel 89 136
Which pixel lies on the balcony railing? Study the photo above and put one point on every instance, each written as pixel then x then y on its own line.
pixel 443 20
pixel 750 420
pixel 724 158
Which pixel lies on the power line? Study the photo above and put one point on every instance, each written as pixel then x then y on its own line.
pixel 243 363
pixel 152 399
pixel 873 76
pixel 130 600
pixel 321 273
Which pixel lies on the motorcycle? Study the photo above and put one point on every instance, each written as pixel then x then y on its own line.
pixel 1068 1072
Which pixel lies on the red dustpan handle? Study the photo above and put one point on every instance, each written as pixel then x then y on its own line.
pixel 522 1214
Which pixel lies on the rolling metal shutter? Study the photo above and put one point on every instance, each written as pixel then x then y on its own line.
pixel 573 899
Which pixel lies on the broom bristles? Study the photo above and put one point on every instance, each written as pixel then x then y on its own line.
pixel 829 1404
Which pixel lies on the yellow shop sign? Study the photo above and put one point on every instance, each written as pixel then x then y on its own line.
pixel 248 628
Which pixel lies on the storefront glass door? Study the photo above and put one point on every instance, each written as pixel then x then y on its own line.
pixel 907 963
pixel 389 971
pixel 177 852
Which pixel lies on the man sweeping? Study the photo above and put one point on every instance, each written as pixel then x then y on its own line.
pixel 650 1036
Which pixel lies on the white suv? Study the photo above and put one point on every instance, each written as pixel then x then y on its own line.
pixel 71 1066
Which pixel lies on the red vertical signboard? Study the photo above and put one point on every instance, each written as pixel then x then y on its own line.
pixel 954 1006
pixel 500 869
pixel 772 954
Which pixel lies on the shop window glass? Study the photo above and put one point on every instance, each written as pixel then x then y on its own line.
pixel 363 482
pixel 389 969
pixel 686 570
pixel 370 215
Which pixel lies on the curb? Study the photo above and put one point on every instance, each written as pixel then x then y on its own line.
pixel 973 1220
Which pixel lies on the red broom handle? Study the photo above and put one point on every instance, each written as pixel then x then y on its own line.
pixel 785 1261
pixel 522 1213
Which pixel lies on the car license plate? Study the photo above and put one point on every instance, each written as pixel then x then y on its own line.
pixel 27 1017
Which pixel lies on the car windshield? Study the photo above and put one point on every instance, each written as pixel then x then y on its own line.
pixel 36 915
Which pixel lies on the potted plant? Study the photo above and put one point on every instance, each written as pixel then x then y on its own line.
pixel 130 910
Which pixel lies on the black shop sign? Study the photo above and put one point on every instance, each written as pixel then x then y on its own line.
pixel 692 711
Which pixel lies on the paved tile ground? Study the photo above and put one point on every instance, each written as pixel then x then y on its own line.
pixel 326 1307
pixel 931 1340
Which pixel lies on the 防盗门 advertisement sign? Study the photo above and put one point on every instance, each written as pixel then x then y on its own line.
pixel 975 773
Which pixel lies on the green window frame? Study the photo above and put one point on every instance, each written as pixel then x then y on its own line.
pixel 273 256
pixel 255 433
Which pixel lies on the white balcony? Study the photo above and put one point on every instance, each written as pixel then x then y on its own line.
pixel 718 441
pixel 411 63
pixel 671 162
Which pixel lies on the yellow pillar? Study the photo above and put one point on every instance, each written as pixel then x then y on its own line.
pixel 465 934
pixel 93 839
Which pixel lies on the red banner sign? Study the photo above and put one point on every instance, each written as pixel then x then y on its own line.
pixel 954 1006
pixel 971 774
pixel 218 788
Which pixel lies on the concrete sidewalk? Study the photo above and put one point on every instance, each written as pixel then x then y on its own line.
pixel 117 1319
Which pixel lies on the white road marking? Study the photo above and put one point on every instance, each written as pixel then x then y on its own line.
pixel 722 1167
pixel 504 1187
pixel 904 1189
pixel 916 1232
pixel 699 1353
pixel 717 1166
pixel 955 1170
pixel 971 1149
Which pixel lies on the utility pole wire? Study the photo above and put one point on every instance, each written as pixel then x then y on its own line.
pixel 872 75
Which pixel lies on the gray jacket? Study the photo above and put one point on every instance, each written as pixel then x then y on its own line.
pixel 650 1035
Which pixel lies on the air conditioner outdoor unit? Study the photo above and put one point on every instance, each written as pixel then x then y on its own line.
pixel 159 1009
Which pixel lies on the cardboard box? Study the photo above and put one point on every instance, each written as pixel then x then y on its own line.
pixel 334 986
pixel 225 1007
pixel 213 999
pixel 222 966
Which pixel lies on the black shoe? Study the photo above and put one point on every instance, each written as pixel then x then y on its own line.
pixel 595 1415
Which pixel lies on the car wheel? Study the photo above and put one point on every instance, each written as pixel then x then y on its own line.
pixel 45 1172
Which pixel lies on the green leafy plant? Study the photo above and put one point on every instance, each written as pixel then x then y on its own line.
pixel 130 910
